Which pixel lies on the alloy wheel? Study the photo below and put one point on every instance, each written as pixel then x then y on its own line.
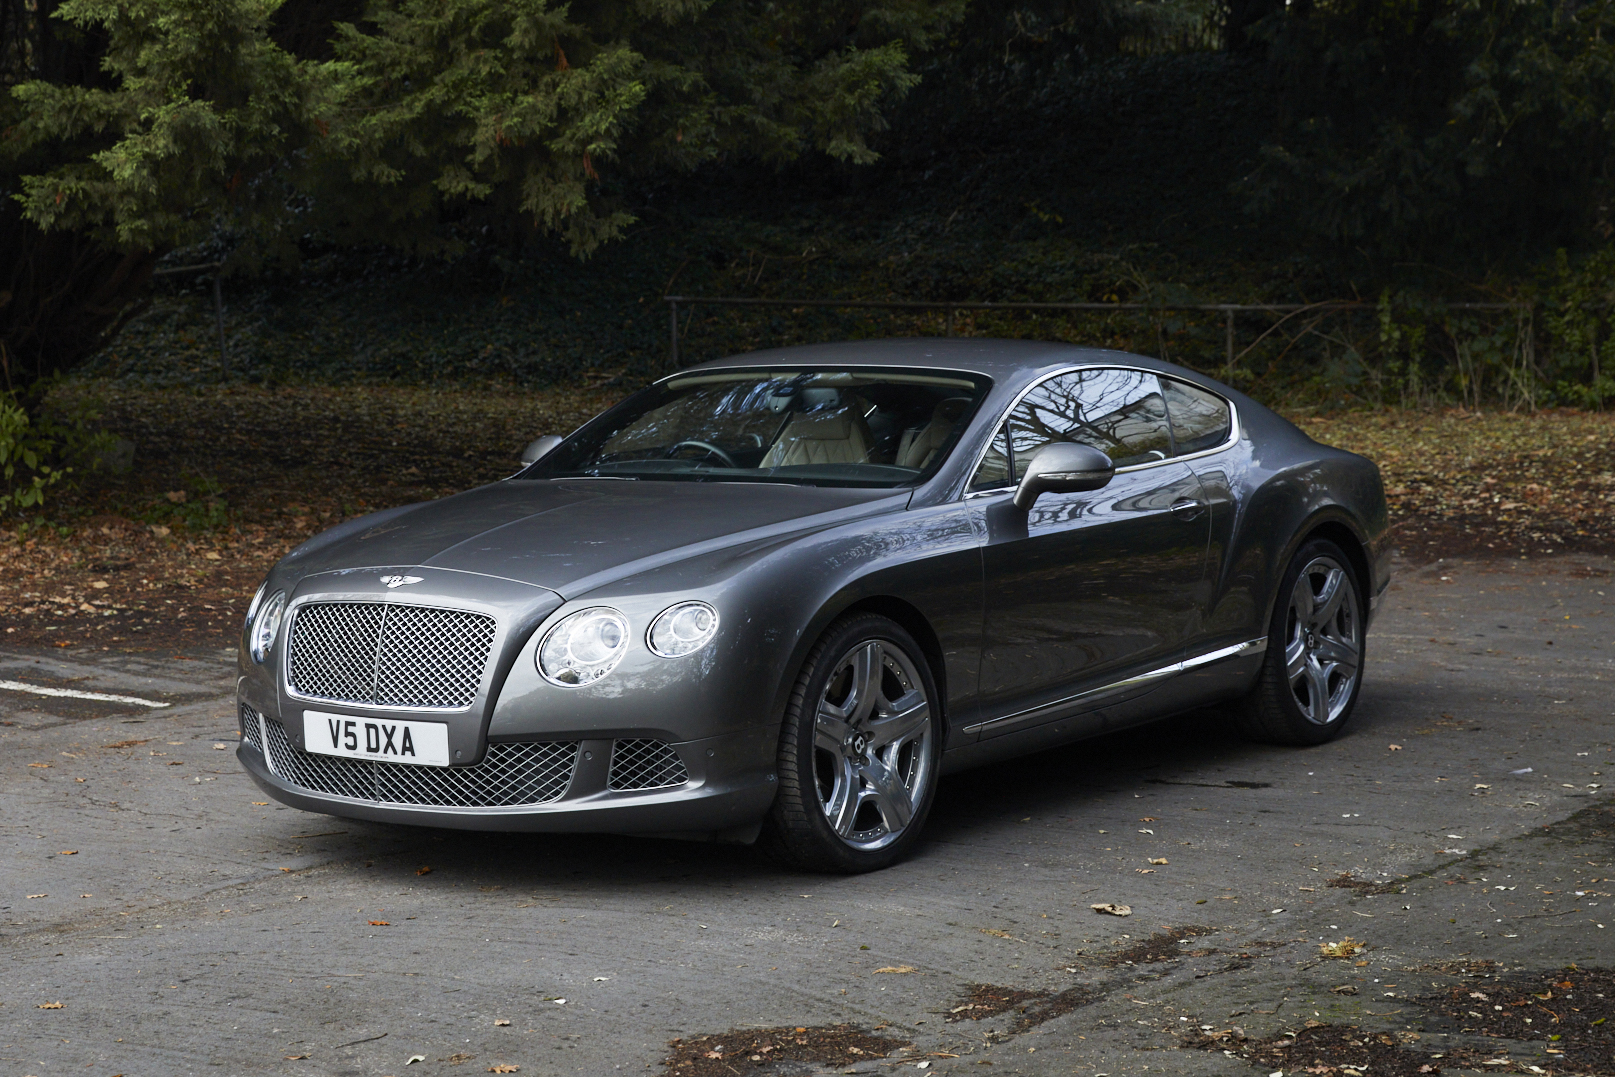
pixel 871 745
pixel 1323 642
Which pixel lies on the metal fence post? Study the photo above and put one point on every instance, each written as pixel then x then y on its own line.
pixel 1229 368
pixel 218 312
pixel 672 334
pixel 950 321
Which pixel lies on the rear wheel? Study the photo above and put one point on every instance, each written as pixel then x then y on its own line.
pixel 858 751
pixel 1312 674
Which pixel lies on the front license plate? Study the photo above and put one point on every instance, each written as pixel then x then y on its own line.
pixel 387 740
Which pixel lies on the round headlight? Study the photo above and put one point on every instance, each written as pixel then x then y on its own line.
pixel 583 647
pixel 682 629
pixel 267 627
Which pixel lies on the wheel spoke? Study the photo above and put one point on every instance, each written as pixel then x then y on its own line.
pixel 1340 654
pixel 1318 683
pixel 830 737
pixel 1327 603
pixel 889 795
pixel 865 693
pixel 1295 659
pixel 910 714
pixel 1301 601
pixel 831 730
pixel 842 808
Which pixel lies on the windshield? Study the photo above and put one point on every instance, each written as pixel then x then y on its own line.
pixel 811 427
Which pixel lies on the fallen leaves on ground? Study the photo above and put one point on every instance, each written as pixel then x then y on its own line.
pixel 504 1067
pixel 1031 1007
pixel 1461 483
pixel 1346 947
pixel 125 564
pixel 898 970
pixel 1570 1013
pixel 47 1005
pixel 1345 881
pixel 1164 945
pixel 717 1055
pixel 1112 909
pixel 1325 1050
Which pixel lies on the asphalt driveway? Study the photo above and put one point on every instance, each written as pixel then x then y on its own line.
pixel 183 925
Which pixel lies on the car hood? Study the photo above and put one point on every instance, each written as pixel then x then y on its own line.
pixel 571 536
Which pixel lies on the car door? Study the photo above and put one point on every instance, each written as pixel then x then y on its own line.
pixel 1086 592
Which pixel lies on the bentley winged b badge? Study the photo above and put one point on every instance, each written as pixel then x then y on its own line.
pixel 399 581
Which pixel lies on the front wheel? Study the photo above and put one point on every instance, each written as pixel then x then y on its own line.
pixel 858 751
pixel 1313 671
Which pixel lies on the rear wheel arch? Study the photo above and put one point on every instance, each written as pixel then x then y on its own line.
pixel 1332 524
pixel 1342 535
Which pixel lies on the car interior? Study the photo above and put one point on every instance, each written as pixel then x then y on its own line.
pixel 825 423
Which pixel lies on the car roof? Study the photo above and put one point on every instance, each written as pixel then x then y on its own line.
pixel 1008 363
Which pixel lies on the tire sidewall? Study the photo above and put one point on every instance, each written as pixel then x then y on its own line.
pixel 802 711
pixel 1302 729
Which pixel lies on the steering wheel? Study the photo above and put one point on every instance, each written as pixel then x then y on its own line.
pixel 711 450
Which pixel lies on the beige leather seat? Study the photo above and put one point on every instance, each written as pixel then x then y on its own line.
pixel 828 436
pixel 918 447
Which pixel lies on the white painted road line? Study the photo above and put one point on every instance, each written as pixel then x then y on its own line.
pixel 41 690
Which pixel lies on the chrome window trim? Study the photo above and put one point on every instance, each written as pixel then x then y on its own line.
pixel 1235 428
pixel 285 663
pixel 1237 650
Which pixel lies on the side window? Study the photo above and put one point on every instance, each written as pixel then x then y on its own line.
pixel 1200 420
pixel 994 469
pixel 1119 412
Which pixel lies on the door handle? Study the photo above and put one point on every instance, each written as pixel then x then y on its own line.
pixel 1188 508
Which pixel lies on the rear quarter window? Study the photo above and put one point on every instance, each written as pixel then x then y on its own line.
pixel 1200 420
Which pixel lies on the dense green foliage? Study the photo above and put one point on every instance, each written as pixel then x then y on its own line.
pixel 432 109
pixel 1461 132
pixel 464 189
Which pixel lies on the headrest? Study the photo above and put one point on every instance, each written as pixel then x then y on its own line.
pixel 821 398
pixel 951 409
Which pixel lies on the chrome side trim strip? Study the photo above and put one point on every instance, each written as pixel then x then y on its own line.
pixel 1238 650
pixel 1054 710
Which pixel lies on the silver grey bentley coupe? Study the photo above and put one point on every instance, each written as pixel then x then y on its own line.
pixel 777 597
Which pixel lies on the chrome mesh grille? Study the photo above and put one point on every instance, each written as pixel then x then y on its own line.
pixel 249 727
pixel 510 774
pixel 645 764
pixel 388 655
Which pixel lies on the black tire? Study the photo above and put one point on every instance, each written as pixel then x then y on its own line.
pixel 1308 659
pixel 799 830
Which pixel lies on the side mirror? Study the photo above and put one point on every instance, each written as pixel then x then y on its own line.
pixel 539 448
pixel 1063 468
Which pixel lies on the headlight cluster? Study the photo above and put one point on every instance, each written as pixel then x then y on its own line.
pixel 682 629
pixel 265 627
pixel 587 645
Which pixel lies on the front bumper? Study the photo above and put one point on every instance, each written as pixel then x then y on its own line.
pixel 724 798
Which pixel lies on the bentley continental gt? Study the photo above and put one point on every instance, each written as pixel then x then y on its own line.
pixel 776 597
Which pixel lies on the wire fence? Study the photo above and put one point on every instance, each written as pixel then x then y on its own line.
pixel 1280 317
pixel 217 269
